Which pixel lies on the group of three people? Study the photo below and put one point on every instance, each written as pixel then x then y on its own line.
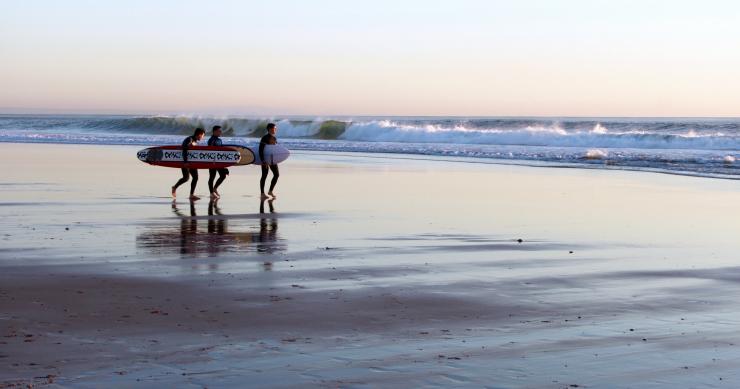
pixel 215 140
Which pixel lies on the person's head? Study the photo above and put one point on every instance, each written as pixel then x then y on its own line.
pixel 216 130
pixel 199 133
pixel 271 128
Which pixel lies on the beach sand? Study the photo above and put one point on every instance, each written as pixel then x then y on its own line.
pixel 367 271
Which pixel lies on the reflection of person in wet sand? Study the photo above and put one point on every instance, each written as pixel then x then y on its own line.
pixel 188 229
pixel 189 242
pixel 269 203
pixel 268 230
pixel 215 225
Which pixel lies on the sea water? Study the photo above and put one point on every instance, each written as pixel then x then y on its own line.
pixel 707 147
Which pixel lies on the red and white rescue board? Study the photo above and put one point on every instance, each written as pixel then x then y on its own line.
pixel 199 157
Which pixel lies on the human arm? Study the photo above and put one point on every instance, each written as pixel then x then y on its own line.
pixel 262 152
pixel 263 142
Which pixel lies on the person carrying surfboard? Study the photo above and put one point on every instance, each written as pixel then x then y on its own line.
pixel 187 172
pixel 269 139
pixel 215 140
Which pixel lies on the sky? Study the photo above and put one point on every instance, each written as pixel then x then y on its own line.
pixel 401 57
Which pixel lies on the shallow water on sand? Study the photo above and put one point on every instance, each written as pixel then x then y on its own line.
pixel 366 271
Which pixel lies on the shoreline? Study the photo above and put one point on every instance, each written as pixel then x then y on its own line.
pixel 439 158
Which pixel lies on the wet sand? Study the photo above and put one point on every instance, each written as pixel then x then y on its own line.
pixel 365 272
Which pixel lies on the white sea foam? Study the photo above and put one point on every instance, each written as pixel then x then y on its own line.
pixel 536 135
pixel 291 129
pixel 599 129
pixel 701 147
pixel 596 154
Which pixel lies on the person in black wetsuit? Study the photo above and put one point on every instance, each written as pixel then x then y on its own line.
pixel 268 139
pixel 187 172
pixel 214 140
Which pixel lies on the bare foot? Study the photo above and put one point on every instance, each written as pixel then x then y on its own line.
pixel 264 196
pixel 174 194
pixel 273 195
pixel 194 197
pixel 214 195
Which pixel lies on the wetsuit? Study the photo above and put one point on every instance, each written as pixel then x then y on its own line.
pixel 186 173
pixel 222 172
pixel 268 139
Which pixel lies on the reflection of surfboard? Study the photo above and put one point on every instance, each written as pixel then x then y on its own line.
pixel 274 154
pixel 246 153
pixel 199 157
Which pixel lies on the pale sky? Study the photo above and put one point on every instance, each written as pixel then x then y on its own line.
pixel 468 58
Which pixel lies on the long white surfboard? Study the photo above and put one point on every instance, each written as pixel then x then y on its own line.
pixel 274 154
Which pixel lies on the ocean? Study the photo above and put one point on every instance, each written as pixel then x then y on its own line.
pixel 705 147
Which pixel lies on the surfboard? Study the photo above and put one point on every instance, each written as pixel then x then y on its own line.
pixel 274 154
pixel 199 157
pixel 247 156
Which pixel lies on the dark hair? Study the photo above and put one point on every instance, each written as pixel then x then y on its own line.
pixel 216 128
pixel 199 131
pixel 270 126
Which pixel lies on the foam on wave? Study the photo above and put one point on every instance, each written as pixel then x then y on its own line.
pixel 703 135
pixel 539 135
pixel 703 147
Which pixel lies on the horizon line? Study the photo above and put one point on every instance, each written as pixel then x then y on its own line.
pixel 6 111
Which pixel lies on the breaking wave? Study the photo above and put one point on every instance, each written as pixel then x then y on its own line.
pixel 664 134
pixel 707 147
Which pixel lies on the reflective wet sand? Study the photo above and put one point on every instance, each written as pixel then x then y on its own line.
pixel 366 270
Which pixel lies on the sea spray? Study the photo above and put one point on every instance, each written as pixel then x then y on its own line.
pixel 596 154
pixel 599 129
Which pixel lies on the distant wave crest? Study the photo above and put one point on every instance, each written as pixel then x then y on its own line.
pixel 693 135
pixel 705 147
